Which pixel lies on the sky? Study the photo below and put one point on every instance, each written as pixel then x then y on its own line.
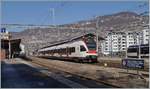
pixel 65 12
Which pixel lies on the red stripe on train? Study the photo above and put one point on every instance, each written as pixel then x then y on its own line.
pixel 91 51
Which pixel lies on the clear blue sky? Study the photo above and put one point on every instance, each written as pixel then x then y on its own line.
pixel 38 12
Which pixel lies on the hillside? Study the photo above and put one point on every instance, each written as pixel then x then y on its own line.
pixel 123 21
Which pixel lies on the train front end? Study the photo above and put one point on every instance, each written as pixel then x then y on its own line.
pixel 91 54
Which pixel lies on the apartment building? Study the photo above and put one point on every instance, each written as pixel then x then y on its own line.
pixel 118 41
pixel 145 35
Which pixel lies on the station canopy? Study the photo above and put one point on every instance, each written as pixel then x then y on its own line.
pixel 15 44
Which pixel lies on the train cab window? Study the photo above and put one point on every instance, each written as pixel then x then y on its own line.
pixel 91 44
pixel 82 48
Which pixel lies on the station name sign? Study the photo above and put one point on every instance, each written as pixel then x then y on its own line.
pixel 133 63
pixel 3 30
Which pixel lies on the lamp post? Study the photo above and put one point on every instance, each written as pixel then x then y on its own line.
pixel 126 44
pixel 53 15
pixel 53 19
pixel 139 46
pixel 137 36
pixel 9 43
pixel 111 34
pixel 97 37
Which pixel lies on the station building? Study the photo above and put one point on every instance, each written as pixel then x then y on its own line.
pixel 9 47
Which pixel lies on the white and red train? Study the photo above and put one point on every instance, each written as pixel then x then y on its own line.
pixel 81 49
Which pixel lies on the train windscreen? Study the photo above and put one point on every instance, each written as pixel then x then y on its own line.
pixel 91 44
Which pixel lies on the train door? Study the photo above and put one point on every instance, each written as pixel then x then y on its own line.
pixel 82 51
pixel 67 51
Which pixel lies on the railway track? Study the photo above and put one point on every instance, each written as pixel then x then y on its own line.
pixel 114 64
pixel 48 65
pixel 106 63
pixel 51 67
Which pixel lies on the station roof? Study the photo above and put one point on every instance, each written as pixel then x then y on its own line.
pixel 72 39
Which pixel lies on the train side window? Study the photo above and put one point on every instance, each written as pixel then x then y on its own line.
pixel 82 48
pixel 69 50
pixel 65 50
pixel 72 49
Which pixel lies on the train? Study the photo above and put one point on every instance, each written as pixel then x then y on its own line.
pixel 79 49
pixel 133 51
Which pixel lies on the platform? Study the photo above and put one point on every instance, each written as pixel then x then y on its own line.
pixel 17 73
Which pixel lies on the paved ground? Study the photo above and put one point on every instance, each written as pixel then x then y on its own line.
pixel 21 74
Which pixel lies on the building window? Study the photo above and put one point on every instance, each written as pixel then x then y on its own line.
pixel 130 43
pixel 115 45
pixel 147 40
pixel 115 42
pixel 134 42
pixel 124 36
pixel 115 49
pixel 123 48
pixel 123 45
